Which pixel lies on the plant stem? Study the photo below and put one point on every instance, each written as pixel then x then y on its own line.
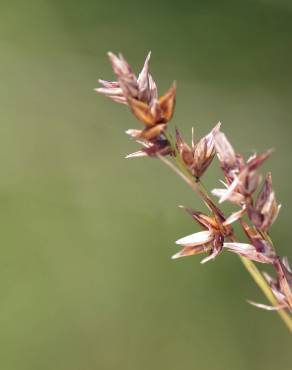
pixel 199 189
pixel 194 185
pixel 264 286
pixel 262 283
pixel 184 177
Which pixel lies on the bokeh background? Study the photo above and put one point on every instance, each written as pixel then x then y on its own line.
pixel 86 279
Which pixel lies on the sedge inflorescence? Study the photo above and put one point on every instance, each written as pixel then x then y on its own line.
pixel 242 185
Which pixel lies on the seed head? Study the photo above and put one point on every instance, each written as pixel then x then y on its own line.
pixel 209 241
pixel 266 209
pixel 200 155
pixel 140 94
pixel 242 179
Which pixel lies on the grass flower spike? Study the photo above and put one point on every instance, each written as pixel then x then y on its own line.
pixel 141 95
pixel 197 158
pixel 241 182
pixel 210 241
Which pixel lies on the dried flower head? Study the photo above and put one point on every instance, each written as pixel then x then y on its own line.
pixel 209 241
pixel 197 158
pixel 241 177
pixel 128 85
pixel 265 211
pixel 140 94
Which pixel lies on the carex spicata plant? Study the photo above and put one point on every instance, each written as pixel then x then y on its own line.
pixel 257 204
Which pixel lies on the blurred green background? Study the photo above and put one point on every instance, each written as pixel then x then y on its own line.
pixel 86 279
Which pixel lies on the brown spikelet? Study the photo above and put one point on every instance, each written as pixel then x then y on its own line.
pixel 167 103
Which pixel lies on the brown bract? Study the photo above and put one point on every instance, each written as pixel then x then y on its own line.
pixel 156 115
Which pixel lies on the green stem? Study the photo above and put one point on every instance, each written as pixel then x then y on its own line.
pixel 264 286
pixel 262 283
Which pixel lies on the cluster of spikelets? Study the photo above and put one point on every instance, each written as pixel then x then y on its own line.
pixel 255 214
